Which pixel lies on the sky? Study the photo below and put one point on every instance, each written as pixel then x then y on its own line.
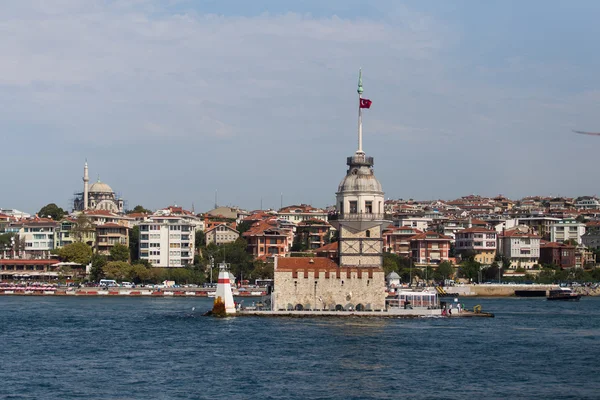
pixel 173 101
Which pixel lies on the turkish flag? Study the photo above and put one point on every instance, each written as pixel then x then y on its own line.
pixel 365 103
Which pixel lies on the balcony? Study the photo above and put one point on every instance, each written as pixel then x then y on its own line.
pixel 355 217
pixel 359 159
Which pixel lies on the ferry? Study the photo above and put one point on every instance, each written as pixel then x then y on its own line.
pixel 563 294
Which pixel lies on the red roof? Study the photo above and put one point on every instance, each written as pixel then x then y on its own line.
pixel 555 245
pixel 27 262
pixel 476 230
pixel 518 233
pixel 424 236
pixel 328 247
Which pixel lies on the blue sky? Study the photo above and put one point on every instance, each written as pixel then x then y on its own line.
pixel 170 101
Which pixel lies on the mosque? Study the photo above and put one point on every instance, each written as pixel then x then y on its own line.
pixel 356 280
pixel 98 196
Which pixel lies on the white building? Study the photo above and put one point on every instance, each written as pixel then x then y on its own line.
pixel 521 248
pixel 567 229
pixel 167 241
pixel 420 223
pixel 16 214
pixel 38 237
pixel 588 203
pixel 221 234
pixel 303 212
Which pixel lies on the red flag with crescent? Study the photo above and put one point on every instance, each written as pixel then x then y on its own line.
pixel 365 103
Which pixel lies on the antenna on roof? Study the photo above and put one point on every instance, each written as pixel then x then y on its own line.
pixel 281 200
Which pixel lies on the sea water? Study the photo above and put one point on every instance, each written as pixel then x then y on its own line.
pixel 163 348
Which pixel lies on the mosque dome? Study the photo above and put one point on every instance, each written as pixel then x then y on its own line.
pixel 100 187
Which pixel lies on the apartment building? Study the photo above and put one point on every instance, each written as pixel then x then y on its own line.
pixel 221 234
pixel 167 241
pixel 480 242
pixel 567 229
pixel 521 248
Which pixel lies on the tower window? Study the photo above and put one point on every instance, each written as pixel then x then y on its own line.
pixel 368 233
pixel 353 207
pixel 369 207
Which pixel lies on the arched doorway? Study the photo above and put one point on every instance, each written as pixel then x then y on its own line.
pixel 360 307
pixel 299 307
pixel 339 307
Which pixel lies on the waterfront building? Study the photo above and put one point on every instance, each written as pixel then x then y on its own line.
pixel 558 254
pixel 98 196
pixel 429 248
pixel 396 240
pixel 110 234
pixel 20 269
pixel 36 237
pixel 268 239
pixel 567 229
pixel 521 248
pixel 68 232
pixel 14 213
pixel 479 242
pixel 221 234
pixel 302 212
pixel 167 241
pixel 357 280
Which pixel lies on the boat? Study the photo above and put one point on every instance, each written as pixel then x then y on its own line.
pixel 563 294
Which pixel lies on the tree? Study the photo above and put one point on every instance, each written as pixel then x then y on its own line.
pixel 134 243
pixel 117 270
pixel 76 252
pixel 243 226
pixel 98 263
pixel 83 229
pixel 571 242
pixel 53 211
pixel 5 242
pixel 119 252
pixel 444 270
pixel 139 209
pixel 200 239
pixel 470 269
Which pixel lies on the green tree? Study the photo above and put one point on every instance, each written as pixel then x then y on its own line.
pixel 243 226
pixel 571 242
pixel 444 270
pixel 117 270
pixel 200 239
pixel 76 252
pixel 53 211
pixel 5 241
pixel 83 228
pixel 139 209
pixel 98 263
pixel 119 252
pixel 470 269
pixel 134 243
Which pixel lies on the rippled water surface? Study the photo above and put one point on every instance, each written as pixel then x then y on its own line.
pixel 122 348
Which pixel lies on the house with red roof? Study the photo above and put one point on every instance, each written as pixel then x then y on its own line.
pixel 521 248
pixel 430 248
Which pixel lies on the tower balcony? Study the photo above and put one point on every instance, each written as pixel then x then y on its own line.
pixel 359 159
pixel 356 217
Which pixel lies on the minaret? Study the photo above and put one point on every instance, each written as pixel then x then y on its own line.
pixel 86 181
pixel 360 207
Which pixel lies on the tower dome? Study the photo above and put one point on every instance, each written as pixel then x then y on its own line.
pixel 100 187
pixel 360 176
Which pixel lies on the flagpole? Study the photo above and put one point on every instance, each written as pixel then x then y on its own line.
pixel 359 90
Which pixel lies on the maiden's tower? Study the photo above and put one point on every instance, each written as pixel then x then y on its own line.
pixel 356 281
